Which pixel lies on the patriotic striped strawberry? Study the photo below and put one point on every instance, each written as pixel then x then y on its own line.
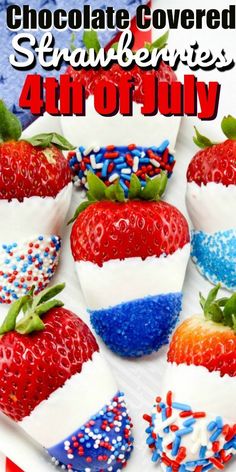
pixel 55 384
pixel 35 192
pixel 193 426
pixel 131 256
pixel 211 203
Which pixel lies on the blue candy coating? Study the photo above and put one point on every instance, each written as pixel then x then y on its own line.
pixel 215 256
pixel 91 438
pixel 138 327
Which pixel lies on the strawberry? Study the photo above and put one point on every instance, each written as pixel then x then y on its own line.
pixel 193 422
pixel 115 243
pixel 46 367
pixel 210 341
pixel 211 203
pixel 35 191
pixel 32 167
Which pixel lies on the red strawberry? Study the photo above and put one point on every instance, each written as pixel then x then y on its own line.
pixel 32 367
pixel 217 161
pixel 133 228
pixel 46 368
pixel 211 341
pixel 115 73
pixel 33 167
pixel 131 257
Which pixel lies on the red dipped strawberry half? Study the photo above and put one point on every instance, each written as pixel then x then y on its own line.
pixel 35 193
pixel 55 385
pixel 95 135
pixel 193 425
pixel 131 256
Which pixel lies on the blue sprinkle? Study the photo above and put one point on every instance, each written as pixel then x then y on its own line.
pixel 202 452
pixel 125 188
pixel 82 149
pixel 219 422
pixel 176 446
pixel 126 176
pixel 163 146
pixel 119 160
pixel 135 152
pixel 181 406
pixel 215 435
pixel 189 422
pixel 155 456
pixel 150 440
pixel 184 431
pixel 211 426
pixel 144 160
pixel 105 167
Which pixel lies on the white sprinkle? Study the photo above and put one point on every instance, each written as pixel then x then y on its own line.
pixel 155 163
pixel 67 443
pixel 99 165
pixel 70 456
pixel 113 177
pixel 96 148
pixel 78 156
pixel 93 161
pixel 88 150
pixel 126 171
pixel 135 163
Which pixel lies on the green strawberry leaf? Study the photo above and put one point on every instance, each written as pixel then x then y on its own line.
pixel 97 188
pixel 160 43
pixel 230 310
pixel 72 42
pixel 202 301
pixel 83 206
pixel 29 324
pixel 45 140
pixel 115 46
pixel 91 41
pixel 119 192
pixel 202 141
pixel 10 126
pixel 10 321
pixel 215 313
pixel 110 192
pixel 211 297
pixel 154 187
pixel 234 322
pixel 134 188
pixel 228 126
pixel 47 294
pixel 45 307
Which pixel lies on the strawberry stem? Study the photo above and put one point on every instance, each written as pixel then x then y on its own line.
pixel 202 141
pixel 228 126
pixel 10 126
pixel 33 308
pixel 98 191
pixel 222 311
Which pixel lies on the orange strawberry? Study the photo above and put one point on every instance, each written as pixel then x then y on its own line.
pixel 208 341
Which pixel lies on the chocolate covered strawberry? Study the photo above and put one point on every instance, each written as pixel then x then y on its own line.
pixel 131 256
pixel 193 425
pixel 103 142
pixel 55 384
pixel 211 203
pixel 35 193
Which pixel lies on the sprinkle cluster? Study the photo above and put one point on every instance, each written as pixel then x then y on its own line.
pixel 211 445
pixel 112 162
pixel 215 256
pixel 103 443
pixel 25 264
